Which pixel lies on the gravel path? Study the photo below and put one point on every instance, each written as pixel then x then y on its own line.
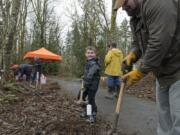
pixel 137 116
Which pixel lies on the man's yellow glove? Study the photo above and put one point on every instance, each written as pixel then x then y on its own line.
pixel 129 59
pixel 133 77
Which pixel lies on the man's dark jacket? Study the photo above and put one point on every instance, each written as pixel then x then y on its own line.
pixel 24 69
pixel 156 34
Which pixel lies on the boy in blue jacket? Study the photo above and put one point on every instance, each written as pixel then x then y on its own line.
pixel 91 81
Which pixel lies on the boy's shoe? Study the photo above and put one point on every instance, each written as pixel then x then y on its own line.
pixel 83 115
pixel 91 119
pixel 109 96
pixel 115 94
pixel 110 93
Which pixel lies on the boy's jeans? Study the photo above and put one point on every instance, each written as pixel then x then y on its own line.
pixel 113 84
pixel 113 81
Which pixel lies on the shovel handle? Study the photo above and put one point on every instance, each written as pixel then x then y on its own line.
pixel 81 92
pixel 119 102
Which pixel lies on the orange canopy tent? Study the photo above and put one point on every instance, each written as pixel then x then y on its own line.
pixel 43 54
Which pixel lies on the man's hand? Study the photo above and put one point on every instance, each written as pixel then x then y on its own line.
pixel 127 63
pixel 125 68
pixel 133 77
pixel 129 59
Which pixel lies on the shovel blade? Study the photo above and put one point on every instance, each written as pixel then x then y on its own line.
pixel 115 123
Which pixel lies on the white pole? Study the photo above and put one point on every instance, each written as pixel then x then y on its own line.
pixel 37 79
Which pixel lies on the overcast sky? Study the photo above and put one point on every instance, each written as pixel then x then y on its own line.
pixel 64 7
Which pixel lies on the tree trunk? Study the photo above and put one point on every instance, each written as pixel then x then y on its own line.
pixel 11 34
pixel 113 21
pixel 24 29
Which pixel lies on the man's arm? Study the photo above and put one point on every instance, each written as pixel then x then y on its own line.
pixel 161 20
pixel 135 46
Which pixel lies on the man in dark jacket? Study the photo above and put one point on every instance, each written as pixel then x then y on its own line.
pixel 23 69
pixel 91 80
pixel 156 32
pixel 37 69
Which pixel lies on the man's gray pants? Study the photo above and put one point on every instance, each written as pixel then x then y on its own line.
pixel 168 107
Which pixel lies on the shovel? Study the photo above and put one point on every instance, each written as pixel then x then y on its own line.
pixel 80 101
pixel 125 69
pixel 118 108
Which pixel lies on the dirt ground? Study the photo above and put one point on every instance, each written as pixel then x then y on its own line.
pixel 50 111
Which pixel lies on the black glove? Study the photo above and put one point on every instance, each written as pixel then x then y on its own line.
pixel 126 68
